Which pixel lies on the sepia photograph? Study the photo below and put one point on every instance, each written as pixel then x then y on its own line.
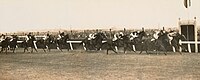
pixel 99 39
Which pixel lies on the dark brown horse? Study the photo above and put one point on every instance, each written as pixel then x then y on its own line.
pixel 30 43
pixel 175 42
pixel 5 45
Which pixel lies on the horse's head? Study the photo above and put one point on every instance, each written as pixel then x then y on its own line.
pixel 33 38
pixel 66 37
pixel 14 36
pixel 142 34
pixel 181 36
pixel 100 36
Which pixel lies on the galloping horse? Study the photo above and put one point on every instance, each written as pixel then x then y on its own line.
pixel 175 41
pixel 161 42
pixel 49 42
pixel 30 43
pixel 13 43
pixel 62 42
pixel 42 44
pixel 94 42
pixel 4 44
pixel 99 37
pixel 127 43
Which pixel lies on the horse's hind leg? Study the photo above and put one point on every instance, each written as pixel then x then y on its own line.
pixel 44 50
pixel 60 47
pixel 1 50
pixel 68 46
pixel 6 50
pixel 25 49
pixel 14 50
pixel 131 47
pixel 107 51
pixel 31 50
pixel 142 47
pixel 113 49
pixel 125 49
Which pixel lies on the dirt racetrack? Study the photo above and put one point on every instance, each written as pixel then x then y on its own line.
pixel 81 65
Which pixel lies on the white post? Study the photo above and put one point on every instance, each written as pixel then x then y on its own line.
pixel 195 30
pixel 70 43
pixel 189 48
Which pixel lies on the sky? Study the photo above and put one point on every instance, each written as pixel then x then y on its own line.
pixel 22 15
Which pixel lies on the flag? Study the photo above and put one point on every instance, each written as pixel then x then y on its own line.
pixel 187 3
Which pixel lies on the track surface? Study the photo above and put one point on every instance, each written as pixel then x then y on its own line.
pixel 81 65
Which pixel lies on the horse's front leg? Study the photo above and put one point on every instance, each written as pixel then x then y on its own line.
pixel 1 50
pixel 6 50
pixel 125 49
pixel 25 48
pixel 44 49
pixel 60 46
pixel 68 46
pixel 141 49
pixel 35 49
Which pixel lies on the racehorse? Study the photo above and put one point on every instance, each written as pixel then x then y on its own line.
pixel 49 42
pixel 42 44
pixel 127 43
pixel 13 43
pixel 60 43
pixel 159 43
pixel 110 44
pixel 162 43
pixel 175 41
pixel 30 43
pixel 4 44
pixel 99 37
pixel 87 44
pixel 93 42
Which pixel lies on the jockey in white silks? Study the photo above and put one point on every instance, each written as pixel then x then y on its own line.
pixel 155 35
pixel 114 37
pixel 61 35
pixel 28 37
pixel 2 37
pixel 91 36
pixel 121 34
pixel 132 36
pixel 46 36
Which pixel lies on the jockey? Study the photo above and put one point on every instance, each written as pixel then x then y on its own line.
pixel 91 36
pixel 121 34
pixel 115 37
pixel 2 37
pixel 133 35
pixel 47 36
pixel 155 35
pixel 61 35
pixel 28 36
